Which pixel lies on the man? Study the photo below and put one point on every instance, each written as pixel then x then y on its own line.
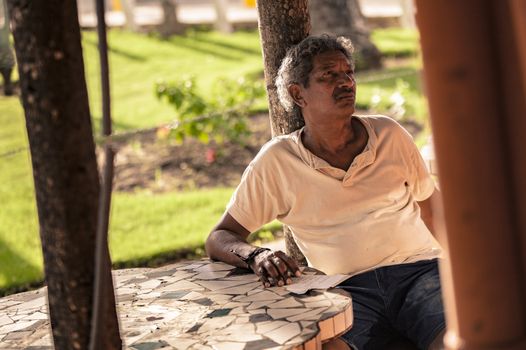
pixel 356 195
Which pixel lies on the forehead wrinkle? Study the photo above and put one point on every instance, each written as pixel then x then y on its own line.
pixel 326 64
pixel 329 63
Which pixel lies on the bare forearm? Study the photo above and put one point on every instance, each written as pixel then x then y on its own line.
pixel 428 220
pixel 427 210
pixel 221 244
pixel 228 243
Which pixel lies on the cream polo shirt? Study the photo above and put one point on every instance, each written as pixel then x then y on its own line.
pixel 343 221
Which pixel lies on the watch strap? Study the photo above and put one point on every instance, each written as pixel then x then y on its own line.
pixel 248 259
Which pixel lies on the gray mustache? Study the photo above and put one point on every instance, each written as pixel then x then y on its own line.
pixel 342 92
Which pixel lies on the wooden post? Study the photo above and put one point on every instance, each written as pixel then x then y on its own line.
pixel 281 25
pixel 516 74
pixel 477 98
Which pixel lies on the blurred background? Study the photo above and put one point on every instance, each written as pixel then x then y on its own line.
pixel 189 105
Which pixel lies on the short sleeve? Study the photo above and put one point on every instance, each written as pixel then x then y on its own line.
pixel 423 184
pixel 255 201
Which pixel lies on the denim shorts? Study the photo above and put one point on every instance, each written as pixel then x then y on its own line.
pixel 396 303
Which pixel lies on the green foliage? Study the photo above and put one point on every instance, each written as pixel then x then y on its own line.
pixel 398 102
pixel 138 61
pixel 221 117
pixel 182 96
pixel 396 42
pixel 265 234
pixel 393 91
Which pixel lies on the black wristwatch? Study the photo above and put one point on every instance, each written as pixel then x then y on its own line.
pixel 248 259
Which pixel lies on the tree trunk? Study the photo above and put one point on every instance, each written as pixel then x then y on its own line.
pixel 171 24
pixel 344 17
pixel 55 100
pixel 222 24
pixel 408 14
pixel 7 61
pixel 128 7
pixel 281 25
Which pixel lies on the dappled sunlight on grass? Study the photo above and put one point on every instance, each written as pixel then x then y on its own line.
pixel 20 252
pixel 137 62
pixel 144 225
pixel 396 42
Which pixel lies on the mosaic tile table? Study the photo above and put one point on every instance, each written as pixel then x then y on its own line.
pixel 195 305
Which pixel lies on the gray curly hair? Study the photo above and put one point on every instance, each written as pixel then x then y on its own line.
pixel 298 62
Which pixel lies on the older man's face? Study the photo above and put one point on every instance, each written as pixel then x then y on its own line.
pixel 331 87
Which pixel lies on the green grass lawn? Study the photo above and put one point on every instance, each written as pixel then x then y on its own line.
pixel 138 232
pixel 138 61
pixel 396 42
pixel 20 256
pixel 163 221
pixel 145 226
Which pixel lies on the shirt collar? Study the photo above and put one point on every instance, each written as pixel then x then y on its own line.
pixel 362 160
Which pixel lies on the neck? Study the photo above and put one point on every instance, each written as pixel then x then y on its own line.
pixel 330 137
pixel 338 144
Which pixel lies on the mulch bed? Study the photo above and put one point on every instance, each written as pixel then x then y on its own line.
pixel 160 165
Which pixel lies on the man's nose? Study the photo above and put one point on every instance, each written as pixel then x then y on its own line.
pixel 346 79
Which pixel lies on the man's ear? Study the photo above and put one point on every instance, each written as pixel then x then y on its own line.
pixel 295 93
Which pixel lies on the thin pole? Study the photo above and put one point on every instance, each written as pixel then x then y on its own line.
pixel 103 287
pixel 103 279
pixel 104 68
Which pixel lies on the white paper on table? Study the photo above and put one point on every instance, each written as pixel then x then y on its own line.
pixel 300 285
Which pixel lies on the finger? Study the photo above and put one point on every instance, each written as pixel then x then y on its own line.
pixel 282 267
pixel 262 277
pixel 292 265
pixel 266 283
pixel 274 276
pixel 272 273
pixel 273 282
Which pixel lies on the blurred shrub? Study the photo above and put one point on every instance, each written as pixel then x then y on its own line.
pixel 220 117
pixel 400 103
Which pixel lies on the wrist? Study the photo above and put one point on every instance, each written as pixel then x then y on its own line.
pixel 249 258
